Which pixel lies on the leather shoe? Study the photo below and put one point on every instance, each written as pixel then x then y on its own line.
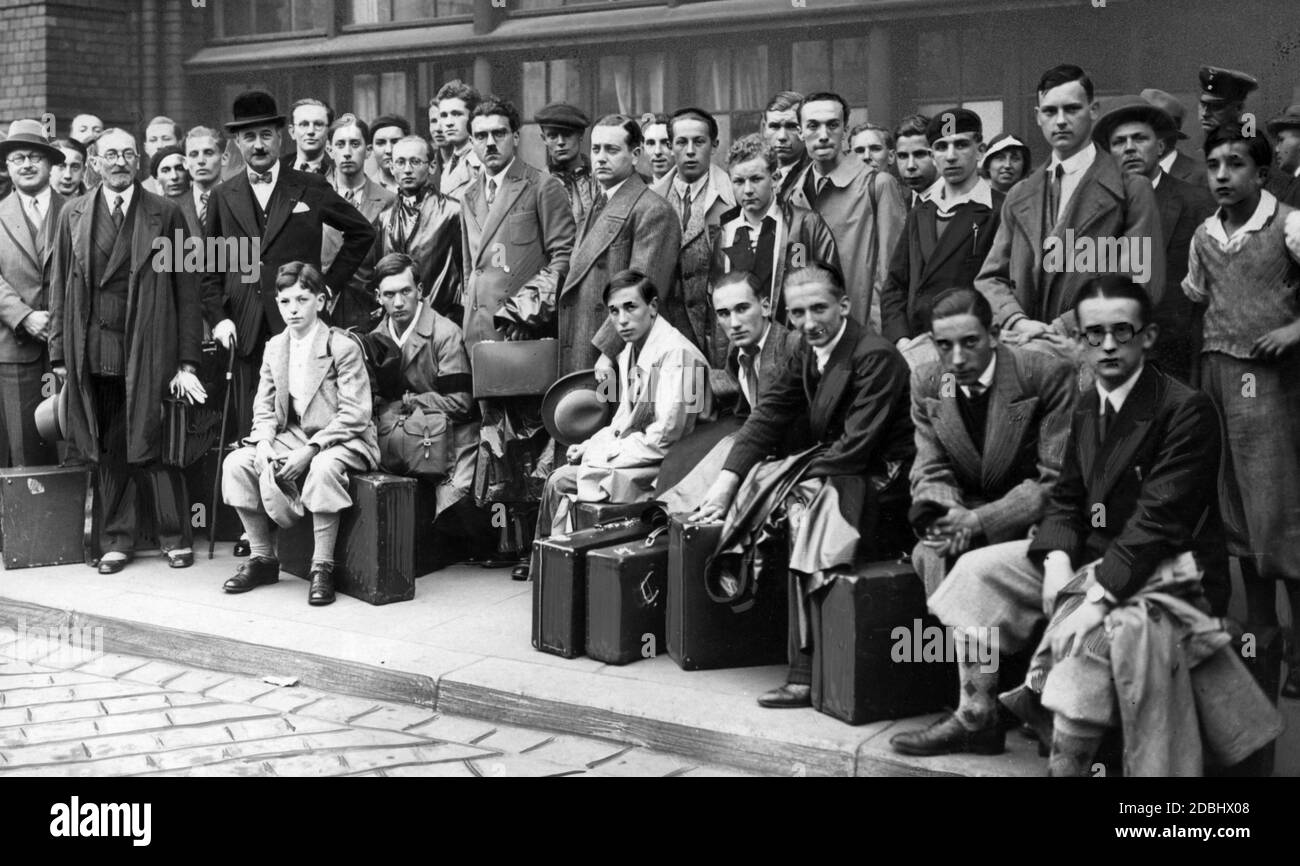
pixel 521 571
pixel 947 736
pixel 242 547
pixel 256 572
pixel 789 696
pixel 322 585
pixel 180 560
pixel 113 565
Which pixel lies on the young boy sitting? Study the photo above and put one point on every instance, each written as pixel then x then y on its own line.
pixel 312 419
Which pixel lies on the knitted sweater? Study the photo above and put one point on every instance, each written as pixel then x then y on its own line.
pixel 1251 281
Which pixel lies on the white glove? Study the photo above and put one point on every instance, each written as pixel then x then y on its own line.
pixel 224 333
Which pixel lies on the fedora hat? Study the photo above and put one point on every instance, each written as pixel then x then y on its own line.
pixel 1127 109
pixel 1289 119
pixel 281 499
pixel 252 108
pixel 52 416
pixel 575 407
pixel 25 134
pixel 1172 106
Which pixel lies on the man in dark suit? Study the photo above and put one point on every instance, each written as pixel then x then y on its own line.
pixel 763 234
pixel 1090 199
pixel 991 424
pixel 517 237
pixel 309 123
pixel 1284 180
pixel 1136 132
pixel 784 135
pixel 851 386
pixel 281 217
pixel 1135 505
pixel 947 236
pixel 28 217
pixel 124 335
pixel 1189 168
pixel 349 144
pixel 627 228
pixel 205 156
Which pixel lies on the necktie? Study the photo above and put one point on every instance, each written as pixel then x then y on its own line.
pixel 264 177
pixel 455 160
pixel 686 208
pixel 37 215
pixel 822 183
pixel 203 205
pixel 118 216
pixel 741 251
pixel 1107 421
pixel 764 251
pixel 1054 196
pixel 597 206
pixel 304 166
pixel 491 190
pixel 748 379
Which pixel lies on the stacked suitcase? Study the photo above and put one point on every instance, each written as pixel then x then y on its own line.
pixel 627 586
pixel 48 515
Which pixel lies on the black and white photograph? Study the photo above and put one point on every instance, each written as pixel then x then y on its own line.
pixel 639 389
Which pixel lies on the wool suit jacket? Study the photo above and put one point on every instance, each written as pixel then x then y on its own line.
pixel 355 306
pixel 925 264
pixel 24 276
pixel 290 161
pixel 300 207
pixel 191 212
pixel 340 411
pixel 1006 478
pixel 636 229
pixel 1106 204
pixel 865 238
pixel 790 178
pixel 686 304
pixel 858 409
pixel 1188 169
pixel 780 344
pixel 516 252
pixel 1146 494
pixel 1183 207
pixel 1285 188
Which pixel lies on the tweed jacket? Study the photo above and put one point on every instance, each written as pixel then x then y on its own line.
pixel 24 276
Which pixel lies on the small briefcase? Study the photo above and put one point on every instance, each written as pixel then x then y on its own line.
pixel 585 515
pixel 560 584
pixel 514 368
pixel 626 590
pixel 706 635
pixel 872 639
pixel 190 430
pixel 48 515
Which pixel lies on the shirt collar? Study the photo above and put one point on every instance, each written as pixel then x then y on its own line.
pixel 1155 182
pixel 42 198
pixel 274 170
pixel 610 192
pixel 843 174
pixel 1120 394
pixel 986 378
pixel 823 353
pixel 697 187
pixel 311 335
pixel 1077 163
pixel 762 341
pixel 127 195
pixel 312 164
pixel 401 340
pixel 500 176
pixel 980 193
pixel 1167 161
pixel 1263 213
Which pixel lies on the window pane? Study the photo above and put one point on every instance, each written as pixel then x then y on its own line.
pixel 413 10
pixel 365 95
pixel 392 92
pixel 937 63
pixel 849 77
pixel 713 80
pixel 615 78
pixel 448 8
pixel 308 14
pixel 534 77
pixel 750 77
pixel 271 16
pixel 810 66
pixel 981 68
pixel 368 11
pixel 566 82
pixel 649 83
pixel 990 113
pixel 237 17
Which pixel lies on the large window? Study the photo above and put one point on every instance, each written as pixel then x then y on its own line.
pixel 401 11
pixel 837 65
pixel 955 68
pixel 376 93
pixel 732 85
pixel 631 84
pixel 266 17
pixel 547 81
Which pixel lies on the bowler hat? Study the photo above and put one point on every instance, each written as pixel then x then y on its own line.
pixel 1289 119
pixel 575 407
pixel 1129 109
pixel 1169 104
pixel 252 108
pixel 24 134
pixel 1225 85
pixel 280 498
pixel 52 416
pixel 563 115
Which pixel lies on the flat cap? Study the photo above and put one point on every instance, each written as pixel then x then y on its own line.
pixel 1225 85
pixel 1169 104
pixel 1288 119
pixel 563 115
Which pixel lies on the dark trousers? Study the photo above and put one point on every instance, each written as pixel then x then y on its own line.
pixel 21 391
pixel 244 379
pixel 122 486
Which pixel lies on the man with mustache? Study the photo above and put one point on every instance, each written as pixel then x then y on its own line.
pixel 424 224
pixel 563 126
pixel 349 144
pixel 1189 168
pixel 124 335
pixel 28 219
pixel 280 214
pixel 1223 97
pixel 310 120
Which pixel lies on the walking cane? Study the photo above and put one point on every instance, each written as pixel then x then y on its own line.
pixel 221 449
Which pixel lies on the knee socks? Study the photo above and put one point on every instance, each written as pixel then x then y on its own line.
pixel 977 703
pixel 1074 746
pixel 257 526
pixel 326 529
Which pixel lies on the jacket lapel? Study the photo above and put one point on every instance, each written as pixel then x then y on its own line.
pixel 1100 188
pixel 320 359
pixel 15 225
pixel 148 223
pixel 123 245
pixel 1170 205
pixel 1008 414
pixel 1131 425
pixel 277 355
pixel 239 196
pixel 952 432
pixel 926 217
pixel 835 378
pixel 79 226
pixel 600 234
pixel 284 197
pixel 514 186
pixel 51 225
pixel 415 343
pixel 969 219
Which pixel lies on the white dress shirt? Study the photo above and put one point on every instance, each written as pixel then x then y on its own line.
pixel 823 353
pixel 1167 161
pixel 401 340
pixel 41 203
pixel 299 358
pixel 1119 395
pixel 126 194
pixel 757 357
pixel 986 378
pixel 1075 167
pixel 262 191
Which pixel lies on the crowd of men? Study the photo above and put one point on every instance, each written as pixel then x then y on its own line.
pixel 857 336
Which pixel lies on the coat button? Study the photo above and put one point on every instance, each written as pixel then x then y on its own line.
pixel 478 272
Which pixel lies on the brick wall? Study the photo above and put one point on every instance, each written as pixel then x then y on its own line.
pixel 22 59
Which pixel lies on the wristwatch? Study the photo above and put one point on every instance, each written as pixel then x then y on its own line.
pixel 1097 594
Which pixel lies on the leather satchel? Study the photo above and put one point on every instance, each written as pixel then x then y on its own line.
pixel 416 445
pixel 189 431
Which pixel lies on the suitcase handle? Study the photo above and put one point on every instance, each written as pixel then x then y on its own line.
pixel 654 536
pixel 649 597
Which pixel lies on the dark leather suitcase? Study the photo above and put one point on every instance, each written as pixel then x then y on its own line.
pixel 189 431
pixel 627 585
pixel 706 635
pixel 560 584
pixel 588 514
pixel 855 677
pixel 48 516
pixel 374 557
pixel 515 368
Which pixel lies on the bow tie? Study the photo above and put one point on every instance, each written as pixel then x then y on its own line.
pixel 254 177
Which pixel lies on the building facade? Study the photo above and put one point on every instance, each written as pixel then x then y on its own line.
pixel 131 59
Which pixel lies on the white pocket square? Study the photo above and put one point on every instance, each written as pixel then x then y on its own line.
pixel 301 207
